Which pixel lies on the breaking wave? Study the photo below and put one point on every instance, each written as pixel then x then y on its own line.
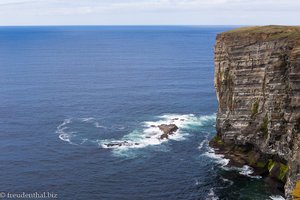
pixel 150 133
pixel 277 197
pixel 223 162
pixel 146 134
pixel 218 158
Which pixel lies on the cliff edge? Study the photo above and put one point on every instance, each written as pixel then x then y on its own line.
pixel 257 82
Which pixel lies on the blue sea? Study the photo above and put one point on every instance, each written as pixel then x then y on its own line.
pixel 67 92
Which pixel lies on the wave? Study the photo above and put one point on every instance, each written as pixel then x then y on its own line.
pixel 221 160
pixel 204 143
pixel 87 119
pixel 211 195
pixel 69 132
pixel 225 180
pixel 97 125
pixel 245 170
pixel 146 134
pixel 218 158
pixel 150 133
pixel 277 197
pixel 64 136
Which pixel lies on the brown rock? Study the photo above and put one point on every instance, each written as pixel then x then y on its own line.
pixel 167 129
pixel 164 136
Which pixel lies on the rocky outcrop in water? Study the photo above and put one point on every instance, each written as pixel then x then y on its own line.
pixel 167 129
pixel 257 81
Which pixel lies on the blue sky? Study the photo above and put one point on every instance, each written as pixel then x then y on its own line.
pixel 149 12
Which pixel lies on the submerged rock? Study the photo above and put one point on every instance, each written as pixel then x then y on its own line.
pixel 119 144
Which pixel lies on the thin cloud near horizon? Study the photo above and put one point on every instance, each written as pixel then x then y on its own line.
pixel 149 12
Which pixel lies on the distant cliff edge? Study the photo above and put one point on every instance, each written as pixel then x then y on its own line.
pixel 257 81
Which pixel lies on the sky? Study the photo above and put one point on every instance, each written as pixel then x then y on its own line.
pixel 149 12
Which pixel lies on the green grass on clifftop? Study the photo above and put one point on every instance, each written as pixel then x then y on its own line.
pixel 272 31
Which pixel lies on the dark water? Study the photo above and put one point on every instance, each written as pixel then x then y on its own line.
pixel 65 92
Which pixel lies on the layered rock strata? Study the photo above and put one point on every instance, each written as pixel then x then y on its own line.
pixel 257 82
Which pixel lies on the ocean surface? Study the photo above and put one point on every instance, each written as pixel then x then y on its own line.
pixel 67 92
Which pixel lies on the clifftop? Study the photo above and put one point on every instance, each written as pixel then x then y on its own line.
pixel 265 32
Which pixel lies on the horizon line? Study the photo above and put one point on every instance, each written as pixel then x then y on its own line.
pixel 136 25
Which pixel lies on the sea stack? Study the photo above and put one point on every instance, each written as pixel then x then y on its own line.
pixel 257 82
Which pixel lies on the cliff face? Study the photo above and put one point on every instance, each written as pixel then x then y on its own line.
pixel 257 81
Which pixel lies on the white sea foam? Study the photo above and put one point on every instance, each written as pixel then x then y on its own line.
pixel 204 143
pixel 277 197
pixel 147 134
pixel 65 132
pixel 227 181
pixel 211 195
pixel 87 119
pixel 219 158
pixel 97 125
pixel 150 132
pixel 65 122
pixel 61 130
pixel 247 171
pixel 64 137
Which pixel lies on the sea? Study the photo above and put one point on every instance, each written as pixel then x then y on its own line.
pixel 66 92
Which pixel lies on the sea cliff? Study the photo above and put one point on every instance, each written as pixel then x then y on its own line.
pixel 257 82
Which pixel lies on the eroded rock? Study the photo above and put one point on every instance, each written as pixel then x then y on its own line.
pixel 167 129
pixel 257 81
